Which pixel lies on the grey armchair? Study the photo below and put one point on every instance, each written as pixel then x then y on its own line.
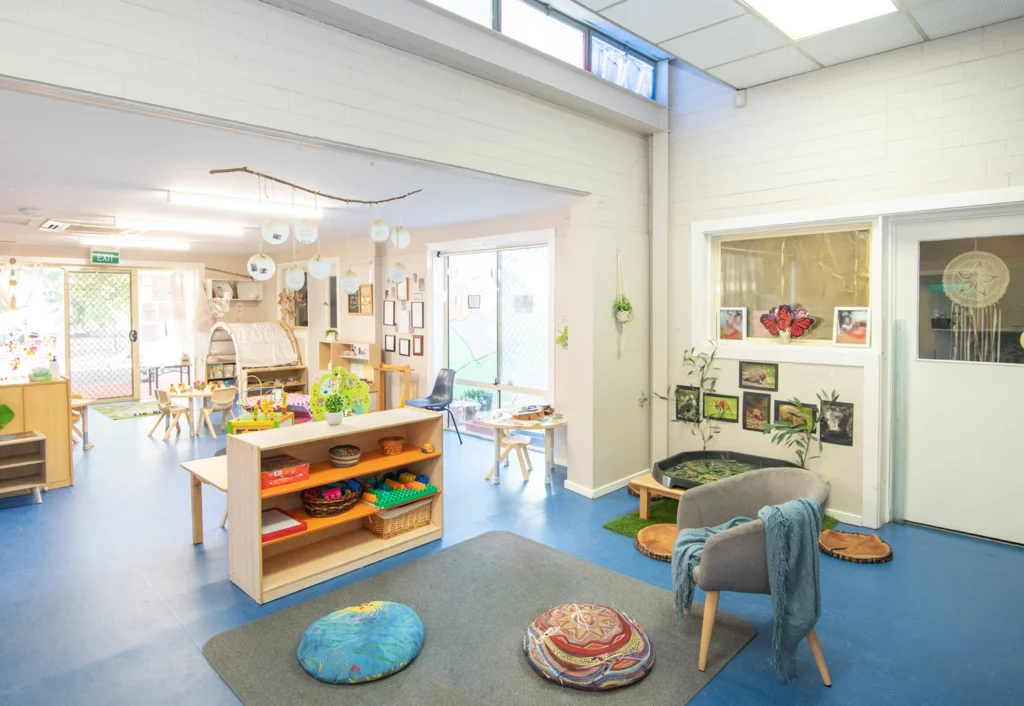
pixel 736 560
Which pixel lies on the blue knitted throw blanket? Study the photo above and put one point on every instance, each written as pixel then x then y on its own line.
pixel 791 543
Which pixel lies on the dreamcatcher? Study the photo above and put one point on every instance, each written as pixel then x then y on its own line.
pixel 975 282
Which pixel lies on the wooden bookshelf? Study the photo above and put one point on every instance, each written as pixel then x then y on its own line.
pixel 23 463
pixel 329 546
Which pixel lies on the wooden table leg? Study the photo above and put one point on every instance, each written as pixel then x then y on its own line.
pixel 197 510
pixel 86 444
pixel 497 456
pixel 645 503
pixel 549 454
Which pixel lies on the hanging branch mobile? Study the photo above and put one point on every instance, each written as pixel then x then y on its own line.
pixel 268 177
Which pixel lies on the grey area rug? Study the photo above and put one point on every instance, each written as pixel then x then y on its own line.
pixel 476 600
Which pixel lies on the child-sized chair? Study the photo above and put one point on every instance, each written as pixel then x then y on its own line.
pixel 522 446
pixel 223 401
pixel 171 412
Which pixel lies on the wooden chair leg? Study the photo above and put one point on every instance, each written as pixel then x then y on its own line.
pixel 175 424
pixel 209 423
pixel 522 463
pixel 819 656
pixel 224 520
pixel 529 463
pixel 710 609
pixel 504 455
pixel 158 420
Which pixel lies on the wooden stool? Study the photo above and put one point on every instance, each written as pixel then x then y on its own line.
pixel 649 489
pixel 521 444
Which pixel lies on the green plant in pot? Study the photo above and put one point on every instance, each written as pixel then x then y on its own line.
pixel 331 333
pixel 6 415
pixel 623 309
pixel 334 408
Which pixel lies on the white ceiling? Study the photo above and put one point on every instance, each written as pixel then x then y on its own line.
pixel 82 162
pixel 727 40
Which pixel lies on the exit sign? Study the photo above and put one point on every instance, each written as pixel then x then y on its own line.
pixel 105 257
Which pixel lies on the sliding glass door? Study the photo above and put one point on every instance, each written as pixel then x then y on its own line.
pixel 498 333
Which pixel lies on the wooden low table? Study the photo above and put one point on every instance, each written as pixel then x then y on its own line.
pixel 212 471
pixel 650 488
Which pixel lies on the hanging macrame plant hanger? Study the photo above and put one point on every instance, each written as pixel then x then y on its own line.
pixel 623 308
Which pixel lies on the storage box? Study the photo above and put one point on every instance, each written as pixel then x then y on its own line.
pixel 277 523
pixel 390 523
pixel 281 470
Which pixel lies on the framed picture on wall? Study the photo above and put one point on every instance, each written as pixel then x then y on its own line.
pixel 403 290
pixel 757 410
pixel 687 403
pixel 759 376
pixel 389 343
pixel 404 347
pixel 389 312
pixel 800 416
pixel 722 408
pixel 402 321
pixel 851 326
pixel 732 324
pixel 353 304
pixel 418 309
pixel 836 423
pixel 417 345
pixel 365 294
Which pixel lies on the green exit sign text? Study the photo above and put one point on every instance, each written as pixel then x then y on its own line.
pixel 105 257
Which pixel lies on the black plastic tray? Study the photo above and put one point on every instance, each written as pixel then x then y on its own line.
pixel 672 461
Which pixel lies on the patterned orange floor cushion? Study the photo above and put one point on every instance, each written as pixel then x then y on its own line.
pixel 588 646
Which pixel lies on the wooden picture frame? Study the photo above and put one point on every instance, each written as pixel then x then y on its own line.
pixel 402 290
pixel 759 376
pixel 721 408
pixel 417 345
pixel 365 295
pixel 389 312
pixel 419 315
pixel 389 343
pixel 404 347
pixel 757 410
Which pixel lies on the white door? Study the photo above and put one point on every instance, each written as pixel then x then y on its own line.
pixel 959 313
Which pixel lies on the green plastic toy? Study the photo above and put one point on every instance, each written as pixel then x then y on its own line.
pixel 353 391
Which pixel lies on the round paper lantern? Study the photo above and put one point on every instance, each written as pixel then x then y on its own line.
pixel 401 238
pixel 379 231
pixel 275 231
pixel 319 268
pixel 261 267
pixel 306 231
pixel 294 278
pixel 397 273
pixel 350 282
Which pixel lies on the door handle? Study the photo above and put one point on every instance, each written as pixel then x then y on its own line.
pixel 133 335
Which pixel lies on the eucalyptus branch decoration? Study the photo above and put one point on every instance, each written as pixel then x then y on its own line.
pixel 314 192
pixel 798 428
pixel 701 371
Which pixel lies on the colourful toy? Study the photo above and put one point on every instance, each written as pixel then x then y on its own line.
pixel 428 448
pixel 385 491
pixel 354 391
pixel 257 422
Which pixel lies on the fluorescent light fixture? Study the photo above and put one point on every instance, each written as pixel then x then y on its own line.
pixel 130 241
pixel 146 224
pixel 227 203
pixel 805 18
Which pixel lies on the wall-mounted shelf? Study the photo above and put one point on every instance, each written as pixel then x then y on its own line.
pixel 242 290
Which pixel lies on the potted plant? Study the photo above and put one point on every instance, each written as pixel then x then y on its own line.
pixel 334 406
pixel 332 332
pixel 623 309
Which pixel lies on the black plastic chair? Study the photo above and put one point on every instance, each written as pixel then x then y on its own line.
pixel 441 398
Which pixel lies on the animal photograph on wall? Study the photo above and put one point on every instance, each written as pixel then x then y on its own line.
pixel 757 408
pixel 836 423
pixel 724 408
pixel 759 376
pixel 687 404
pixel 800 416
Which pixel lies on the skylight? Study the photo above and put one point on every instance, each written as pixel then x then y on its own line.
pixel 805 18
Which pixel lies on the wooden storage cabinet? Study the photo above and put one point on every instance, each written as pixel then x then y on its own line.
pixel 44 407
pixel 23 463
pixel 330 546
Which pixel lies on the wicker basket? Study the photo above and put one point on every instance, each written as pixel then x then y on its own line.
pixel 390 523
pixel 318 507
pixel 344 456
pixel 391 445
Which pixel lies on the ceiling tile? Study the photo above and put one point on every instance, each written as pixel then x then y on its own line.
pixel 762 68
pixel 658 20
pixel 872 36
pixel 724 42
pixel 940 18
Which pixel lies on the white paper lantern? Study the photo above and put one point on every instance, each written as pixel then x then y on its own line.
pixel 401 238
pixel 319 268
pixel 261 267
pixel 275 231
pixel 397 273
pixel 294 278
pixel 350 282
pixel 379 231
pixel 306 231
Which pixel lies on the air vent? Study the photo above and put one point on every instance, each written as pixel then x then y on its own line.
pixel 83 228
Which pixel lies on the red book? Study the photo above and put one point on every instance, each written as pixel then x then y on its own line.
pixel 279 523
pixel 281 470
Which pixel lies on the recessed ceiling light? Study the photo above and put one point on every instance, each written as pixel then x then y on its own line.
pixel 226 203
pixel 146 224
pixel 129 241
pixel 805 18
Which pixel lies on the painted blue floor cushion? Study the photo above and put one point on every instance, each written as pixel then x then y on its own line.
pixel 362 643
pixel 588 646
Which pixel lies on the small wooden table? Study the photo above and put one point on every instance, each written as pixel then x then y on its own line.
pixel 189 396
pixel 83 407
pixel 548 424
pixel 650 488
pixel 212 471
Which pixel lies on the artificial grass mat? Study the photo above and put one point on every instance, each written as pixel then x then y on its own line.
pixel 662 511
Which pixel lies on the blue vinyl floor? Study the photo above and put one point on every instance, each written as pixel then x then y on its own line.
pixel 104 599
